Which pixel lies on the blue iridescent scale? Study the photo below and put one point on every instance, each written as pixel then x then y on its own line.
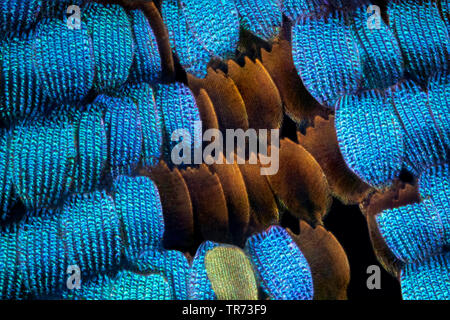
pixel 199 285
pixel 179 110
pixel 113 45
pixel 422 35
pixel 282 269
pixel 18 15
pixel 151 121
pixel 173 265
pixel 370 137
pixel 64 61
pixel 123 129
pixel 413 232
pixel 139 207
pixel 326 57
pixel 125 285
pixel 261 17
pixel 42 160
pixel 427 280
pixel 146 66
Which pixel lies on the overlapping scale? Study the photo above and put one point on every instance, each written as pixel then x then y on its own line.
pixel 293 9
pixel 18 15
pixel 112 41
pixel 281 267
pixel 179 110
pixel 123 129
pixel 439 104
pixel 139 207
pixel 434 184
pixel 370 137
pixel 173 265
pixel 6 186
pixel 92 149
pixel 40 253
pixel 199 287
pixel 379 50
pixel 64 61
pixel 146 66
pixel 125 285
pixel 90 229
pixel 151 121
pixel 43 157
pixel 263 18
pixel 422 35
pixel 21 93
pixel 11 279
pixel 413 232
pixel 326 57
pixel 423 141
pixel 201 30
pixel 427 280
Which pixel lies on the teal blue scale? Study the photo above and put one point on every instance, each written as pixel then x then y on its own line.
pixel 200 31
pixel 124 133
pixel 427 280
pixel 21 93
pixel 263 18
pixel 125 285
pixel 92 149
pixel 146 66
pixel 173 265
pixel 281 268
pixel 179 110
pixel 139 207
pixel 43 155
pixel 64 61
pixel 424 143
pixel 422 35
pixel 199 287
pixel 151 121
pixel 434 184
pixel 113 44
pixel 6 185
pixel 11 277
pixel 18 15
pixel 326 57
pixel 380 54
pixel 370 137
pixel 413 232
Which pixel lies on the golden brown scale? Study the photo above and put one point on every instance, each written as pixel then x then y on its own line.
pixel 300 183
pixel 298 103
pixel 321 142
pixel 327 260
pixel 209 204
pixel 225 96
pixel 263 206
pixel 400 194
pixel 206 110
pixel 237 199
pixel 177 207
pixel 261 97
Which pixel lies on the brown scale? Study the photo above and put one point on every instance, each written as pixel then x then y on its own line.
pixel 209 204
pixel 259 92
pixel 400 194
pixel 327 259
pixel 225 96
pixel 206 110
pixel 300 183
pixel 176 204
pixel 237 199
pixel 298 103
pixel 321 141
